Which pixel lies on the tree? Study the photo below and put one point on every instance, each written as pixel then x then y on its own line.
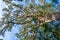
pixel 36 20
pixel 1 39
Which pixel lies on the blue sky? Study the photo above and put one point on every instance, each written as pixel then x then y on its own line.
pixel 11 35
pixel 1 6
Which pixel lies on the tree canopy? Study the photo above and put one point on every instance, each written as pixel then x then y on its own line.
pixel 36 18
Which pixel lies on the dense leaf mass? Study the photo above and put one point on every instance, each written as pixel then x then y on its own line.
pixel 38 20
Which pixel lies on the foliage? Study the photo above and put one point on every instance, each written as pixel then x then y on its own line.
pixel 35 20
pixel 1 39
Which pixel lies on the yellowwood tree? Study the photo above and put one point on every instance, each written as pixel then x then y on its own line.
pixel 36 18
